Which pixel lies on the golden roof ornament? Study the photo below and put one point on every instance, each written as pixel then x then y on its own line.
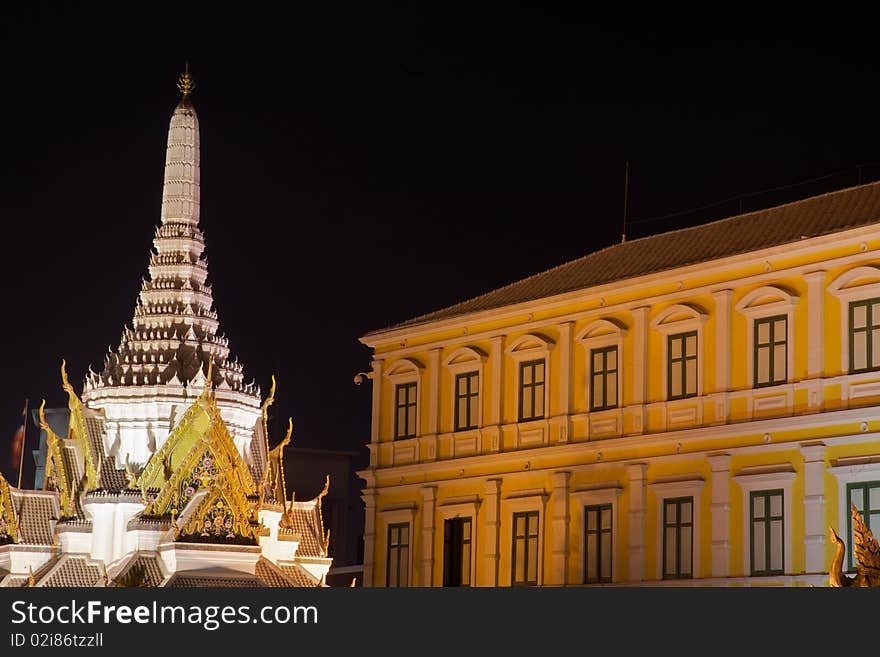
pixel 866 552
pixel 185 83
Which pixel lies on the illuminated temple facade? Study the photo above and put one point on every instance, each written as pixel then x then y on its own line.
pixel 165 475
pixel 693 408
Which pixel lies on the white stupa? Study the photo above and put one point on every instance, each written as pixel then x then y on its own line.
pixel 165 476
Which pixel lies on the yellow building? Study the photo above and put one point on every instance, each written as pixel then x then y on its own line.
pixel 691 408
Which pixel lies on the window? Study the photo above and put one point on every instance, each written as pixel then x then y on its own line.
pixel 864 335
pixel 603 378
pixel 866 497
pixel 467 394
pixel 405 418
pixel 771 350
pixel 767 532
pixel 525 548
pixel 678 526
pixel 457 552
pixel 531 390
pixel 397 573
pixel 597 552
pixel 682 373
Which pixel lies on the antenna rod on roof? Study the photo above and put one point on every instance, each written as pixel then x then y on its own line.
pixel 625 198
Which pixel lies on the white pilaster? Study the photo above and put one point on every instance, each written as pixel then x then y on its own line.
pixel 640 354
pixel 559 539
pixel 564 381
pixel 816 323
pixel 720 464
pixel 429 495
pixel 637 499
pixel 433 390
pixel 488 574
pixel 722 339
pixel 369 498
pixel 497 394
pixel 814 506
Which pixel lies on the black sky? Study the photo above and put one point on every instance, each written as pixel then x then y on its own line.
pixel 369 164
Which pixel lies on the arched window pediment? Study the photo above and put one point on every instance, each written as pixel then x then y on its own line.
pixel 768 300
pixel 678 317
pixel 857 282
pixel 466 355
pixel 602 328
pixel 405 367
pixel 530 343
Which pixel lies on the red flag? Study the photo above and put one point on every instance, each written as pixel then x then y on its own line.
pixel 18 439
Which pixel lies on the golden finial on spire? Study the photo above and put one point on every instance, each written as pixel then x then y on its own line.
pixel 185 83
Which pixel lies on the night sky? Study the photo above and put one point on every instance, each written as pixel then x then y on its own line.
pixel 364 166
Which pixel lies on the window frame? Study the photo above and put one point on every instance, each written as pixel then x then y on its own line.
pixel 689 485
pixel 604 373
pixel 766 494
pixel 531 347
pixel 756 478
pixel 404 371
pixel 677 319
pixel 401 567
pixel 472 400
pixel 599 509
pixel 866 486
pixel 770 320
pixel 414 403
pixel 678 501
pixel 684 361
pixel 601 334
pixel 521 389
pixel 462 360
pixel 527 514
pixel 601 494
pixel 868 303
pixel 762 303
pixel 860 283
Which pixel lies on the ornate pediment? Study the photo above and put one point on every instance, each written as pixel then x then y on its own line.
pixel 199 453
pixel 220 518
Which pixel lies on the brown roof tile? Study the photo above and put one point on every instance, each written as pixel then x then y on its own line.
pixel 271 575
pixel 197 582
pixel 306 522
pixel 142 570
pixel 299 576
pixel 35 513
pixel 784 224
pixel 73 571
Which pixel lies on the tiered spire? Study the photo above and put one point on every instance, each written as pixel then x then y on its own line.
pixel 174 331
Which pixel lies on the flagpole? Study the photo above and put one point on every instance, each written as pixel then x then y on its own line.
pixel 23 443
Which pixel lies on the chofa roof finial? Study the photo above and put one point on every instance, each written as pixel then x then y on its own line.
pixel 185 83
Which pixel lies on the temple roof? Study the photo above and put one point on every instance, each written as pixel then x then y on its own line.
pixel 784 224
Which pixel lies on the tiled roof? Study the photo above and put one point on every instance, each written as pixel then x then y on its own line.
pixel 784 224
pixel 111 478
pixel 271 575
pixel 35 513
pixel 196 582
pixel 73 571
pixel 14 581
pixel 142 570
pixel 307 523
pixel 299 576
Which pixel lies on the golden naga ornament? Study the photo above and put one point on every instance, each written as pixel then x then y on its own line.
pixel 866 552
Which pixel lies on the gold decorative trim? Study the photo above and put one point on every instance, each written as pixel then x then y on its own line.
pixel 9 525
pixel 78 431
